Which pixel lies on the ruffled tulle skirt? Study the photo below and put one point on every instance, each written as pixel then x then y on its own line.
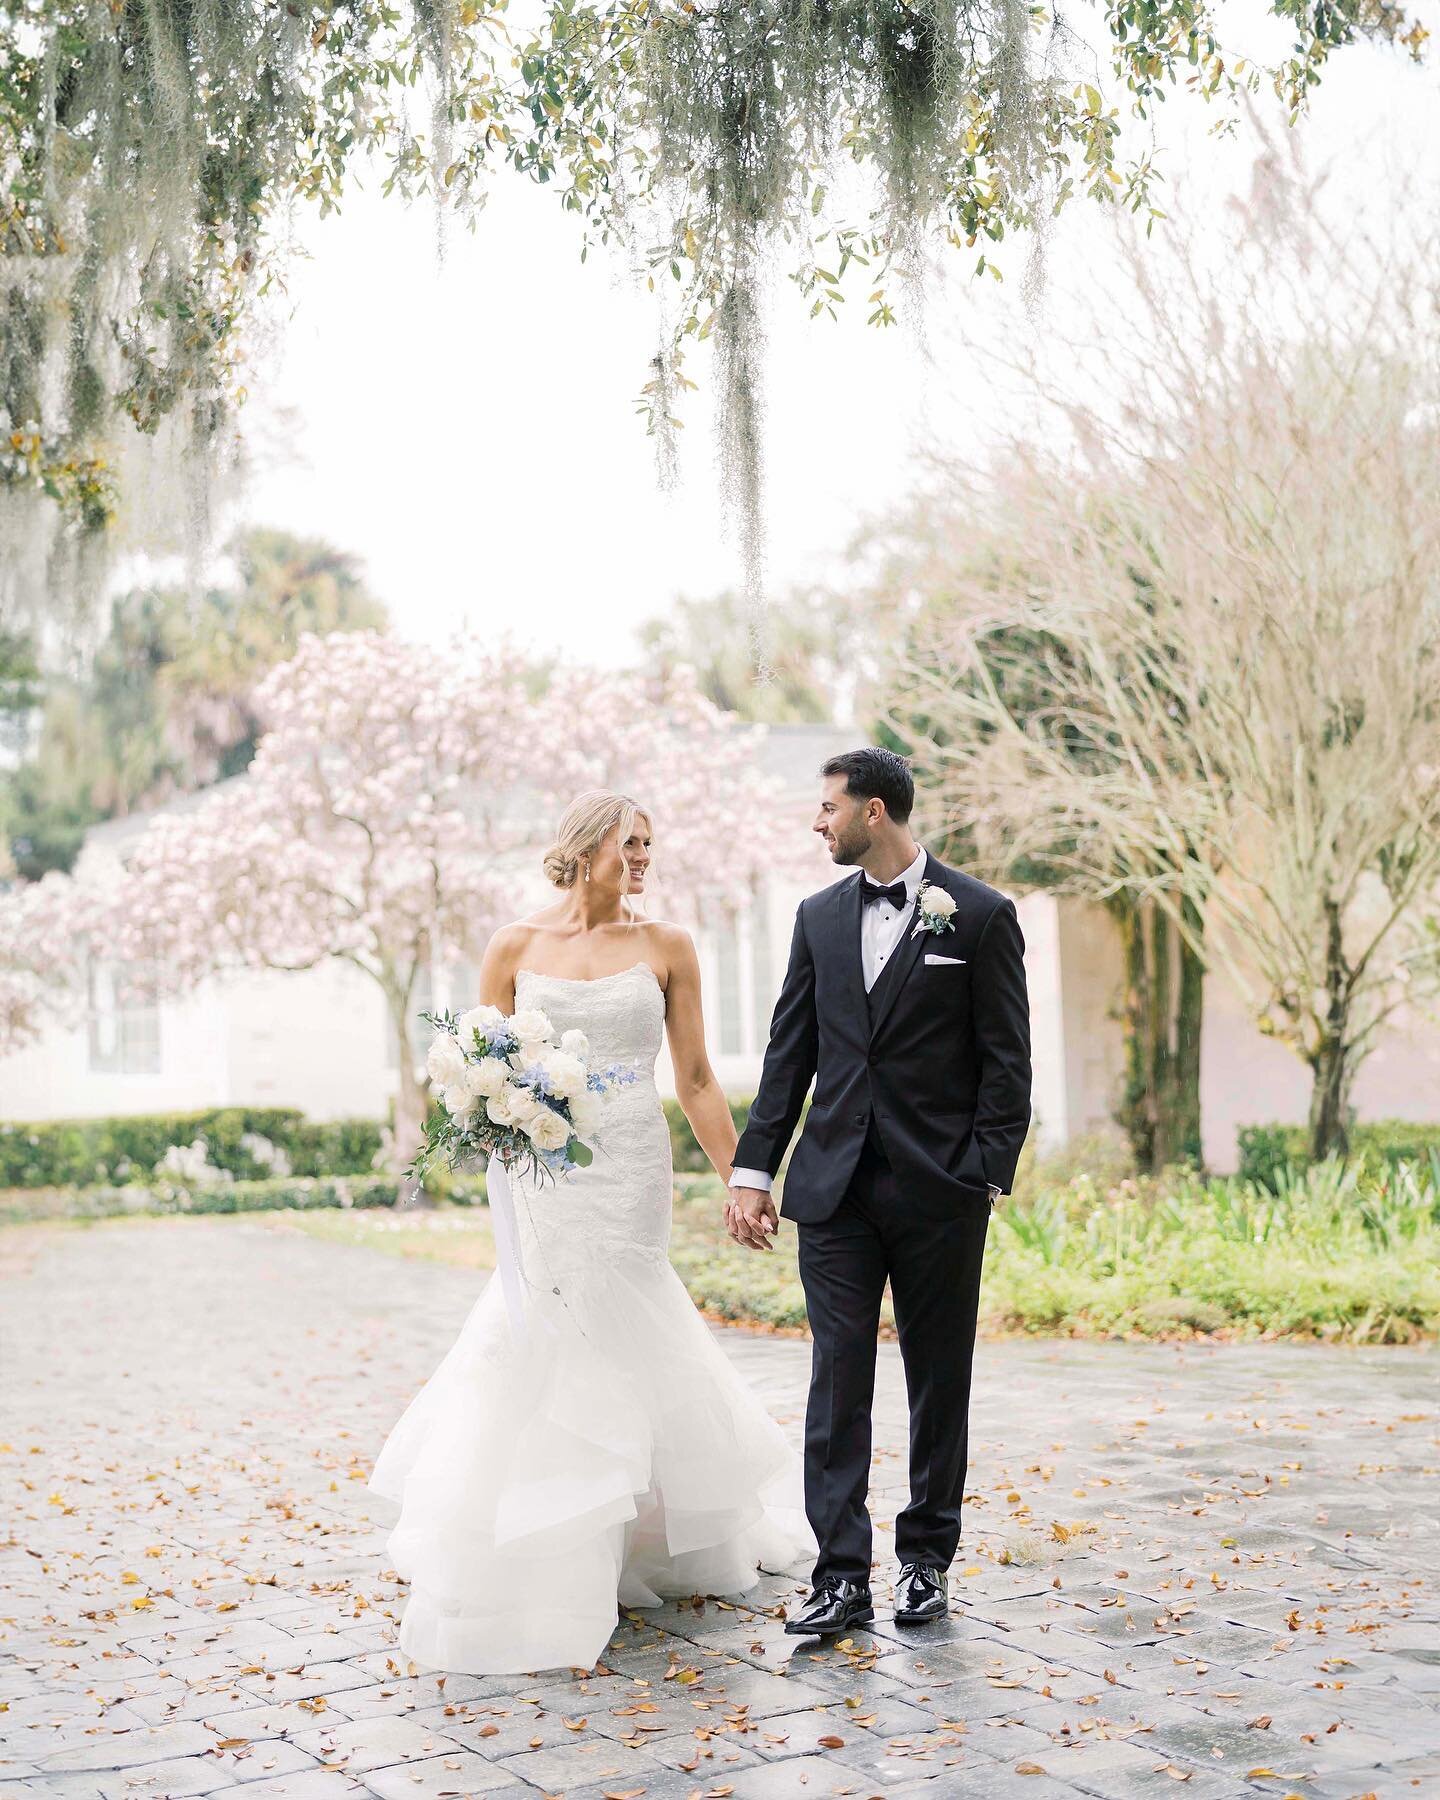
pixel 612 1456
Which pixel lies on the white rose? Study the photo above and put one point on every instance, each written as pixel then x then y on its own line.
pixel 445 1061
pixel 486 1077
pixel 524 1104
pixel 483 1019
pixel 585 1110
pixel 498 1110
pixel 575 1043
pixel 458 1103
pixel 531 1026
pixel 547 1130
pixel 566 1074
pixel 937 903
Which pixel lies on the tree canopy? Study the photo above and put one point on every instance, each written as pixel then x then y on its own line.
pixel 164 704
pixel 148 151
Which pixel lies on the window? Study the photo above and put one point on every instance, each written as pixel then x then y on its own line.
pixel 124 1028
pixel 745 994
pixel 729 1005
pixel 762 977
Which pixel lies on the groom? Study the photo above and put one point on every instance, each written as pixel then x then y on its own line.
pixel 908 1009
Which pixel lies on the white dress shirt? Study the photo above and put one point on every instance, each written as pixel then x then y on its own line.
pixel 881 931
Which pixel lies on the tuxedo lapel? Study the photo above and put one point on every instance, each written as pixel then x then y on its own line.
pixel 907 954
pixel 847 932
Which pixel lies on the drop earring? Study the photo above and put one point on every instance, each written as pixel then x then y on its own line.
pixel 587 868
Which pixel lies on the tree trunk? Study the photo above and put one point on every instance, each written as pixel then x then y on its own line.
pixel 1331 1064
pixel 1184 1109
pixel 410 1093
pixel 1161 1015
pixel 410 1105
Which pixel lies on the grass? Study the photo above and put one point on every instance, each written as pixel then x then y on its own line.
pixel 459 1235
pixel 1340 1252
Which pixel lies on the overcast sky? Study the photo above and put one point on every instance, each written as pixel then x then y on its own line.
pixel 468 428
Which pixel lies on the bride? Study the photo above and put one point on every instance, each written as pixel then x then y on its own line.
pixel 609 1454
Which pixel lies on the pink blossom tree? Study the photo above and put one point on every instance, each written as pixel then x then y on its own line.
pixel 720 823
pixel 45 927
pixel 391 790
pixel 365 830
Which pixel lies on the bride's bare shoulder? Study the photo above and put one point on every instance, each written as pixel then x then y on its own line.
pixel 673 944
pixel 509 943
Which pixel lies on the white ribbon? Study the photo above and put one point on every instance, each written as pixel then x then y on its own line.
pixel 507 1249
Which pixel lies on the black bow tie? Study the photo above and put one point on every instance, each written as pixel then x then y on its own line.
pixel 895 894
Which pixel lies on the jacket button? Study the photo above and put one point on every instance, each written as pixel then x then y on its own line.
pixel 859 1118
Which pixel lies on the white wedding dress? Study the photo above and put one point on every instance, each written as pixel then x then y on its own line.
pixel 613 1455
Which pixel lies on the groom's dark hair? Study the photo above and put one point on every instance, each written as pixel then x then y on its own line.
pixel 874 774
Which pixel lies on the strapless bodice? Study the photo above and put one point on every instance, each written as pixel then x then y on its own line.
pixel 623 1015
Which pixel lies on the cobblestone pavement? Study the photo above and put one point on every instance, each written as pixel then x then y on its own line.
pixel 1202 1567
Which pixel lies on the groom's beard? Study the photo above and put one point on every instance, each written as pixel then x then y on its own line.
pixel 851 846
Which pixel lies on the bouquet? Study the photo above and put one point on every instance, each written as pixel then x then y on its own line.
pixel 513 1089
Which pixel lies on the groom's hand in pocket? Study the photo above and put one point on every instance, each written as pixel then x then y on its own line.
pixel 750 1217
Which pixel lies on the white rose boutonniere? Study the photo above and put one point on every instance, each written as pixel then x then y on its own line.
pixel 937 910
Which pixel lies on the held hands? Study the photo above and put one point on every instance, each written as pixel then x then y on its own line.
pixel 750 1217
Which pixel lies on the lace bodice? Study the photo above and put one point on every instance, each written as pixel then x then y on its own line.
pixel 619 1206
pixel 623 1015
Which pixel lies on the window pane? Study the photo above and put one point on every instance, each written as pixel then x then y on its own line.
pixel 124 1033
pixel 762 990
pixel 730 1039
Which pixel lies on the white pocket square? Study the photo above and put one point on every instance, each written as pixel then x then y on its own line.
pixel 953 962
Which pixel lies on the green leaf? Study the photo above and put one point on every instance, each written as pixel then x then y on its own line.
pixel 580 1154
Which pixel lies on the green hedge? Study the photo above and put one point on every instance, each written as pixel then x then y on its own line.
pixel 1266 1150
pixel 118 1151
pixel 101 1202
pixel 689 1158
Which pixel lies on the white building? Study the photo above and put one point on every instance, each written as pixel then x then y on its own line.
pixel 320 1041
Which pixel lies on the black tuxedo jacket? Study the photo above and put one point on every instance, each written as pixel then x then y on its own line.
pixel 937 1052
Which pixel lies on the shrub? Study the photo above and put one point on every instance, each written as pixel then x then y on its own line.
pixel 688 1157
pixel 1267 1149
pixel 114 1151
pixel 98 1202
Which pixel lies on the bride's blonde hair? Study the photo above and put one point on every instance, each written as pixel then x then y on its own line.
pixel 586 822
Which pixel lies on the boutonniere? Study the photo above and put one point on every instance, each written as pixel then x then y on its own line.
pixel 937 909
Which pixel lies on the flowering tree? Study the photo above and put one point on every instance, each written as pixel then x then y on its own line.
pixel 390 789
pixel 44 928
pixel 718 821
pixel 348 837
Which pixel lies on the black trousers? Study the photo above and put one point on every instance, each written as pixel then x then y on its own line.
pixel 933 1267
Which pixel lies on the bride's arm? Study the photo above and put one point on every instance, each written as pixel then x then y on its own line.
pixel 497 969
pixel 701 1097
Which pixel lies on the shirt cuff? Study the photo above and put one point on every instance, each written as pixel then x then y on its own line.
pixel 751 1178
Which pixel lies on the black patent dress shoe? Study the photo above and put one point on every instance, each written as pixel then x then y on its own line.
pixel 920 1594
pixel 835 1604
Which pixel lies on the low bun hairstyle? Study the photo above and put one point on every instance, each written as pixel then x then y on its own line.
pixel 586 822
